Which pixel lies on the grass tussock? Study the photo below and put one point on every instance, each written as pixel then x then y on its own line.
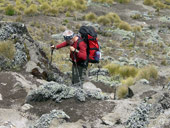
pixel 147 73
pixel 122 91
pixel 159 4
pixel 125 26
pixel 148 2
pixel 31 10
pixel 104 1
pixel 113 68
pixel 123 71
pixel 129 81
pixel 7 49
pixel 123 1
pixel 128 71
pixel 91 17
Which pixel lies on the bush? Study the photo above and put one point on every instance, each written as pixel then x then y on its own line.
pixel 91 17
pixel 122 91
pixel 147 73
pixel 125 26
pixel 7 49
pixel 10 10
pixel 31 10
pixel 148 2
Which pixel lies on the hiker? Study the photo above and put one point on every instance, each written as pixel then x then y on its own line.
pixel 78 56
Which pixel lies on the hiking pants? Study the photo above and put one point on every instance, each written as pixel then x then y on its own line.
pixel 78 73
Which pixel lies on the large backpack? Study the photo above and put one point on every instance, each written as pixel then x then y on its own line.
pixel 89 35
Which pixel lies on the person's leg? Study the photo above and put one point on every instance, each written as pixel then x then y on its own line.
pixel 78 73
pixel 83 73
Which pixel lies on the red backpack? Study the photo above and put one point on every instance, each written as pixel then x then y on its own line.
pixel 89 35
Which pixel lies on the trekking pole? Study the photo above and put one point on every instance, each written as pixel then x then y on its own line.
pixel 51 59
pixel 77 68
pixel 98 72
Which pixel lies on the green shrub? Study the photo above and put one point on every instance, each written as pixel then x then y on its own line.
pixel 103 20
pixel 7 49
pixel 148 2
pixel 122 91
pixel 31 10
pixel 10 10
pixel 125 26
pixel 91 17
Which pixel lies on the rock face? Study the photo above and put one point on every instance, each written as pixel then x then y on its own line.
pixel 28 53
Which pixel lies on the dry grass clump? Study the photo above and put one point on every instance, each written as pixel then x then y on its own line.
pixel 123 71
pixel 31 10
pixel 104 1
pixel 7 49
pixel 159 4
pixel 147 73
pixel 113 68
pixel 128 71
pixel 129 81
pixel 123 1
pixel 122 91
pixel 148 2
pixel 91 17
pixel 103 20
pixel 125 26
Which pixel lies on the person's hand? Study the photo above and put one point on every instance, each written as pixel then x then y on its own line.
pixel 52 47
pixel 72 48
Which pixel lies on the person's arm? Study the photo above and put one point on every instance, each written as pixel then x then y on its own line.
pixel 63 44
pixel 82 53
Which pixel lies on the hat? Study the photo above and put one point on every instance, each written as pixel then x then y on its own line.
pixel 68 34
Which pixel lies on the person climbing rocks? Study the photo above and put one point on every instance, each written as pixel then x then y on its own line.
pixel 78 55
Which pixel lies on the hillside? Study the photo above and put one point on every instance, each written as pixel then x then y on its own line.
pixel 129 88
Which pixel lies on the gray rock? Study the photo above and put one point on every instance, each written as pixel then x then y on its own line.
pixel 26 107
pixel 7 29
pixel 88 86
pixel 57 36
pixel 1 97
pixel 98 71
pixel 144 82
